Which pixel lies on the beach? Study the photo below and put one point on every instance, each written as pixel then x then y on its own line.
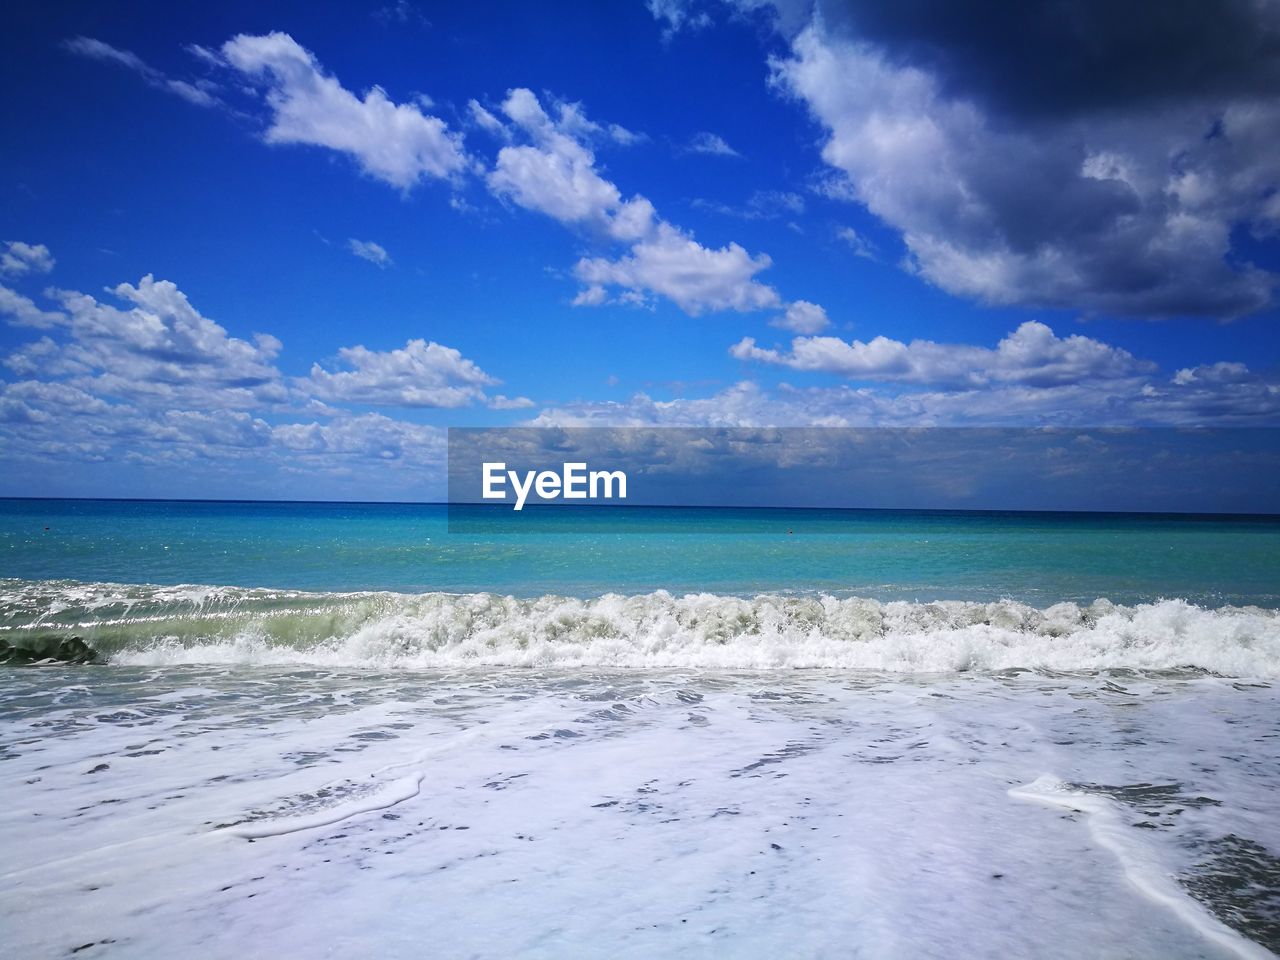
pixel 261 770
pixel 222 811
pixel 727 479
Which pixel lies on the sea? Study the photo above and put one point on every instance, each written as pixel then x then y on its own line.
pixel 369 730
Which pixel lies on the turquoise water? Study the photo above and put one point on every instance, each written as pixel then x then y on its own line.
pixel 892 721
pixel 1037 558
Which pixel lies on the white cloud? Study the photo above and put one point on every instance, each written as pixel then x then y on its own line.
pixel 555 174
pixel 367 437
pixel 22 312
pixel 19 258
pixel 232 429
pixel 42 357
pixel 486 120
pixel 592 296
pixel 573 121
pixel 157 347
pixel 1221 372
pixel 501 402
pixel 151 383
pixel 37 401
pixel 1124 212
pixel 1031 355
pixel 524 109
pixel 104 52
pixel 713 144
pixel 198 439
pixel 1103 403
pixel 395 143
pixel 155 384
pixel 802 317
pixel 743 404
pixel 677 15
pixel 420 374
pixel 552 171
pixel 621 135
pixel 859 244
pixel 696 278
pixel 368 250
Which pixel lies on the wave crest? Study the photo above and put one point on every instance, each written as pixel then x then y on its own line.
pixel 167 625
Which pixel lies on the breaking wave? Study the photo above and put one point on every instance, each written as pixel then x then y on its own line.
pixel 188 624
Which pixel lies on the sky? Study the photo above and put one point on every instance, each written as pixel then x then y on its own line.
pixel 1127 470
pixel 274 250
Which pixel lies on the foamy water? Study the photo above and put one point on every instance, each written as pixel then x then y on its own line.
pixel 234 811
pixel 281 773
pixel 200 624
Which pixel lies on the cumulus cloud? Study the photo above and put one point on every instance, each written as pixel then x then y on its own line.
pixel 1031 355
pixel 37 401
pixel 20 258
pixel 42 357
pixel 145 379
pixel 367 437
pixel 419 374
pixel 395 143
pixel 1079 56
pixel 547 164
pixel 1036 160
pixel 672 264
pixel 1221 372
pixel 713 144
pixel 157 345
pixel 200 95
pixel 22 311
pixel 802 317
pixel 233 429
pixel 1254 401
pixel 375 253
pixel 555 174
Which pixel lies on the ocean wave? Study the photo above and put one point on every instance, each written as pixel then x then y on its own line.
pixel 136 624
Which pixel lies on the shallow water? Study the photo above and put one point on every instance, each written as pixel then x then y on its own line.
pixel 332 730
pixel 225 811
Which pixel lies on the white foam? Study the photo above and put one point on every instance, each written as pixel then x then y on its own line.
pixel 766 632
pixel 382 798
pixel 564 813
pixel 1141 865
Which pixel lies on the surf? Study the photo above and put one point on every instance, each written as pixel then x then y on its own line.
pixel 141 624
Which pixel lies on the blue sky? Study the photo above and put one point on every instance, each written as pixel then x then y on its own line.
pixel 272 250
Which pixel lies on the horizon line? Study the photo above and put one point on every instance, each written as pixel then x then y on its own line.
pixel 649 506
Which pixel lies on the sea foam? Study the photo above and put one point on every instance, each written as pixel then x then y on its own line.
pixel 168 625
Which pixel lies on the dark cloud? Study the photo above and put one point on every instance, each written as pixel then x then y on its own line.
pixel 1101 157
pixel 1065 57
